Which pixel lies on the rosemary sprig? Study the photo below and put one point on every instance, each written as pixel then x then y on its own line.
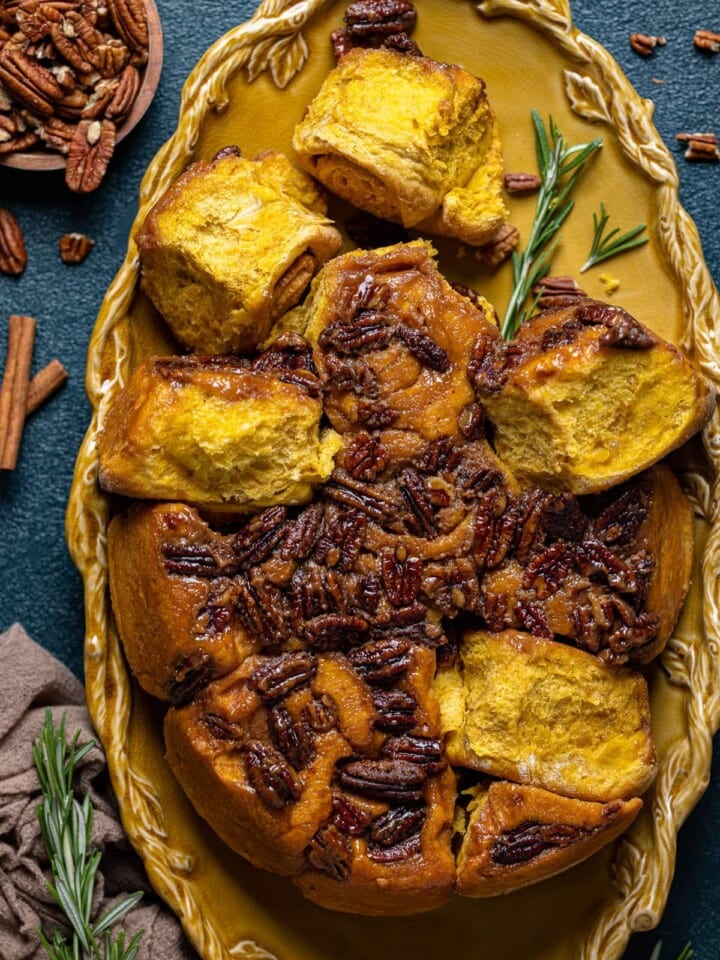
pixel 609 245
pixel 66 825
pixel 686 953
pixel 559 166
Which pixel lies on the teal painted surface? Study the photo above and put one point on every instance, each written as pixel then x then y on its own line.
pixel 39 585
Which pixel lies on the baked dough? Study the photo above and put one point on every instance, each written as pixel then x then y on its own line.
pixel 219 432
pixel 517 835
pixel 231 246
pixel 408 139
pixel 392 341
pixel 536 711
pixel 586 396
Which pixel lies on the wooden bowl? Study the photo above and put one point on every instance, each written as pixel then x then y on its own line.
pixel 41 159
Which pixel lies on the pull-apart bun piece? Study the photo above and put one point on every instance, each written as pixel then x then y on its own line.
pixel 217 432
pixel 407 139
pixel 586 396
pixel 517 835
pixel 232 246
pixel 536 711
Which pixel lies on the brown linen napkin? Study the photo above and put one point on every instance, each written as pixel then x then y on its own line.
pixel 31 680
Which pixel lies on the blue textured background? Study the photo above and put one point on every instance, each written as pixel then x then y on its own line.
pixel 39 585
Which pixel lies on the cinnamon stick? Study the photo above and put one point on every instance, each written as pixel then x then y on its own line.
pixel 14 389
pixel 44 384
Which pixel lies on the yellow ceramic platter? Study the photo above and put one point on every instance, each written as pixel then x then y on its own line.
pixel 250 88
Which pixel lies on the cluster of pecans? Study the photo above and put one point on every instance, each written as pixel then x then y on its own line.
pixel 21 395
pixel 69 75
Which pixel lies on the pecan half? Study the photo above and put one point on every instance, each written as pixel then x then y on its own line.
pixel 348 817
pixel 302 533
pixel 619 523
pixel 259 537
pixel 381 662
pixel 270 776
pixel 530 839
pixel 367 330
pixel 423 348
pixel 375 19
pixel 392 781
pixel 90 152
pixel 414 493
pixel 644 43
pixel 364 457
pixel 294 738
pixel 188 559
pixel 341 540
pixel 74 247
pixel 395 711
pixel 425 752
pixel 501 245
pixel 522 182
pixel 280 676
pixel 29 82
pixel 192 674
pixel 402 576
pixel 334 631
pixel 330 852
pixel 707 40
pixel 397 825
pixel 13 256
pixel 321 713
pixel 130 20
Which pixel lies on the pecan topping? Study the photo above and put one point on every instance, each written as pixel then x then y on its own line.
pixel 531 616
pixel 334 631
pixel 348 817
pixel 330 852
pixel 367 330
pixel 472 295
pixel 89 155
pixel 189 559
pixel 375 414
pixel 342 539
pixel 522 182
pixel 381 662
pixel 375 19
pixel 303 533
pixel 221 728
pixel 270 776
pixel 393 781
pixel 644 43
pixel 294 738
pixel 530 839
pixel 555 292
pixel 397 825
pixel 395 711
pixel 401 851
pixel 258 538
pixel 425 350
pixel 321 713
pixel 74 247
pixel 364 457
pixel 361 496
pixel 13 257
pixel 414 493
pixel 619 523
pixel 425 752
pixel 402 43
pixel 620 329
pixel 280 676
pixel 192 674
pixel 401 577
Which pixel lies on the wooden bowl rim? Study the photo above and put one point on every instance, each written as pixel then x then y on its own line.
pixel 41 160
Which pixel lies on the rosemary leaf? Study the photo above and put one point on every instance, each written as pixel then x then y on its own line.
pixel 66 825
pixel 559 166
pixel 606 245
